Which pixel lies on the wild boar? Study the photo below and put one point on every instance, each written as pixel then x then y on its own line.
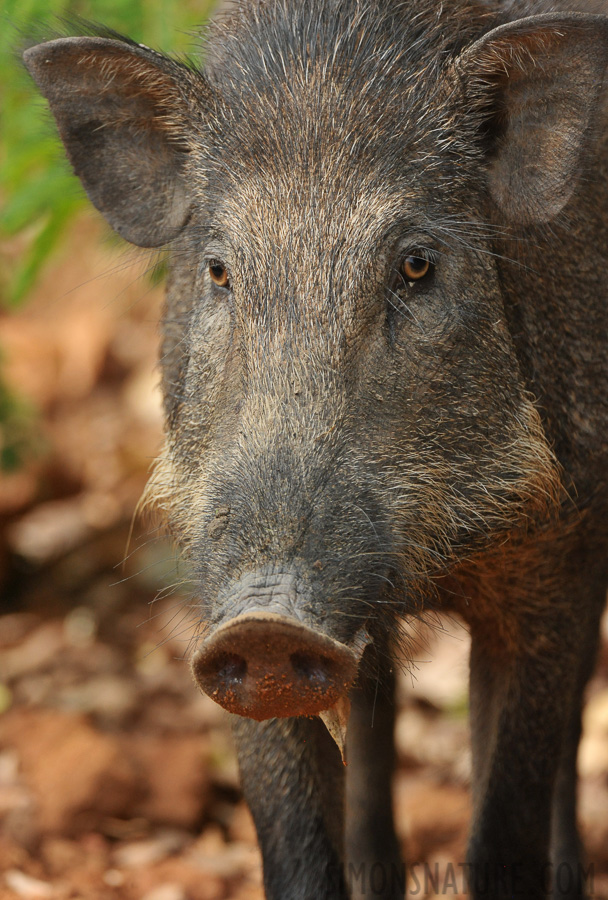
pixel 384 384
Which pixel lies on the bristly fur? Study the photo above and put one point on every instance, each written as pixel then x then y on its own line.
pixel 349 443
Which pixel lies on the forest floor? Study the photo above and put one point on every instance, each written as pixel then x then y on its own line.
pixel 118 778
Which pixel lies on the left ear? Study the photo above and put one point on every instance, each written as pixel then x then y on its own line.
pixel 124 114
pixel 537 82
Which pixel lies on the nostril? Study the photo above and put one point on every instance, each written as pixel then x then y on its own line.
pixel 264 666
pixel 312 668
pixel 230 668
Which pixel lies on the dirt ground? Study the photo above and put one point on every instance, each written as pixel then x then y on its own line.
pixel 117 777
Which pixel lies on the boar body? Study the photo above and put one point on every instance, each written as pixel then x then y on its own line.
pixel 384 381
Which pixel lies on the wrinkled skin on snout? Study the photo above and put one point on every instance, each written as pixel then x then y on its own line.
pixel 365 414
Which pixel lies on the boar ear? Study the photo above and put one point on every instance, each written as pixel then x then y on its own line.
pixel 538 81
pixel 120 109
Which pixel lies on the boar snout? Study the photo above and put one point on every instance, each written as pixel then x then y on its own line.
pixel 265 665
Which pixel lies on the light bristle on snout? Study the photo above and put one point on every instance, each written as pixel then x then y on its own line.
pixel 264 665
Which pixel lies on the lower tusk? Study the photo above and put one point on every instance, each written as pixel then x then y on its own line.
pixel 335 720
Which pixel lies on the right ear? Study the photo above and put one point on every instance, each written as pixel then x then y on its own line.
pixel 538 83
pixel 121 110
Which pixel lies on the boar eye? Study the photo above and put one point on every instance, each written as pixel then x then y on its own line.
pixel 416 266
pixel 219 273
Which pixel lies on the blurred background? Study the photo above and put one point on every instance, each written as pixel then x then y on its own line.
pixel 117 777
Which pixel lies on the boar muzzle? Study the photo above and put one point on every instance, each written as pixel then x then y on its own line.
pixel 265 665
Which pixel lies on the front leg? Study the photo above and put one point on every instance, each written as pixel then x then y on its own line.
pixel 517 717
pixel 375 868
pixel 530 659
pixel 293 781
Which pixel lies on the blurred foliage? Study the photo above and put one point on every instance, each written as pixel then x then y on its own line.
pixel 17 432
pixel 39 196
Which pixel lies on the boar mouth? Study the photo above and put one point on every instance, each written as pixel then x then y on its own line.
pixel 265 665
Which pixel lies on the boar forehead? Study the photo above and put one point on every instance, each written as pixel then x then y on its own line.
pixel 334 117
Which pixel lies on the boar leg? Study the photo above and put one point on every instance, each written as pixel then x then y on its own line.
pixel 374 865
pixel 566 846
pixel 293 781
pixel 515 730
pixel 525 707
